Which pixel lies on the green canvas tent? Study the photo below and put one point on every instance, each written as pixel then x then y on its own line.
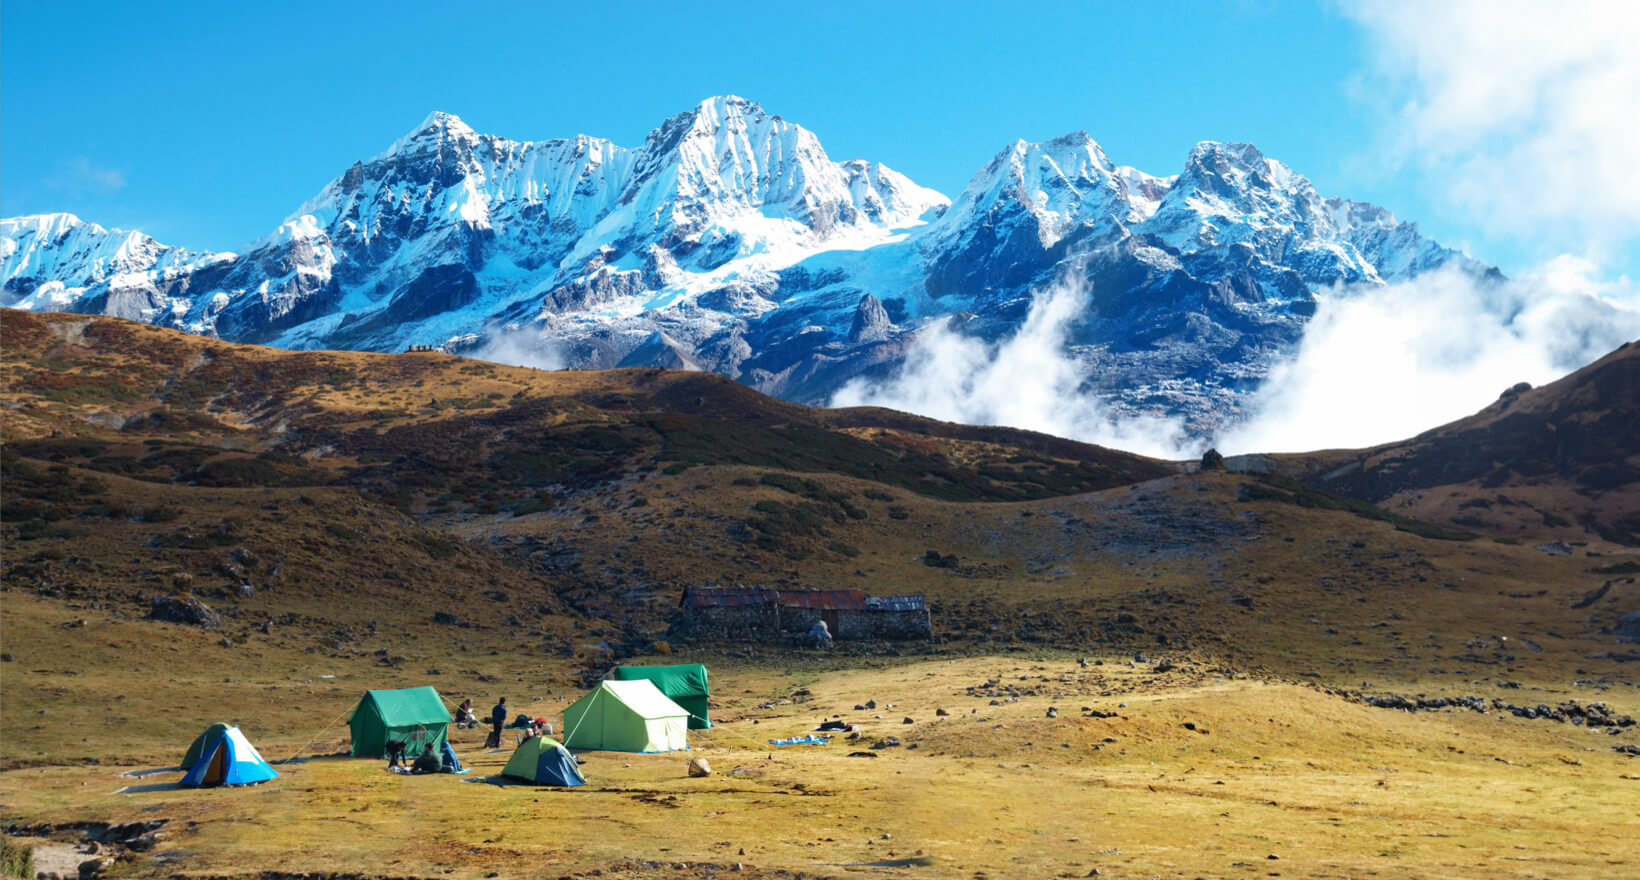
pixel 626 716
pixel 414 715
pixel 541 760
pixel 200 742
pixel 684 685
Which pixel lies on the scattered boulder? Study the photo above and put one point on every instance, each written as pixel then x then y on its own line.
pixel 908 720
pixel 941 712
pixel 97 867
pixel 145 842
pixel 1053 712
pixel 186 610
pixel 446 618
pixel 699 767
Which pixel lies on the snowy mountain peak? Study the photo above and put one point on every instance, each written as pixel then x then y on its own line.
pixel 42 225
pixel 439 131
pixel 730 240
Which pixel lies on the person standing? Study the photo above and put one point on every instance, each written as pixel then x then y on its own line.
pixel 498 718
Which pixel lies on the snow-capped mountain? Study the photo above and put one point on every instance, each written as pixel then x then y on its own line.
pixel 730 241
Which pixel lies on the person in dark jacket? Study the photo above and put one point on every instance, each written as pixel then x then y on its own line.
pixel 498 718
pixel 426 762
pixel 395 752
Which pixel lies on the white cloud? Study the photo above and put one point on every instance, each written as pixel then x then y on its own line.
pixel 1526 113
pixel 1025 381
pixel 521 348
pixel 1383 364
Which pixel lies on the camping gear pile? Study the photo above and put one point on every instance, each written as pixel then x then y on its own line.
pixel 800 741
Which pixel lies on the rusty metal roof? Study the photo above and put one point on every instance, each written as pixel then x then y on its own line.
pixel 826 600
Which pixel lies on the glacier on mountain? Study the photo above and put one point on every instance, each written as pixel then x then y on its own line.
pixel 730 241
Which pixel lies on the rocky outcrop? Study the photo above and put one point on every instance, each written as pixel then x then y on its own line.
pixel 184 610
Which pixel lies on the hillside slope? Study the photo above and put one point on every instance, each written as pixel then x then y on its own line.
pixel 1558 462
pixel 571 509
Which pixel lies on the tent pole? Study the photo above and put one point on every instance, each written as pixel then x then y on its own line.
pixel 571 735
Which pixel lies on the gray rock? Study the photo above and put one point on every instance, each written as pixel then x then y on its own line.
pixel 189 610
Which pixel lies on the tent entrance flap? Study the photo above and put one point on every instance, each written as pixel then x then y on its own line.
pixel 218 769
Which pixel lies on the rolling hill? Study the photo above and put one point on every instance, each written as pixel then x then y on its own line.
pixel 1558 462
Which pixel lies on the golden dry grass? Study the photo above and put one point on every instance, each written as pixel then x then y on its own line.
pixel 1334 789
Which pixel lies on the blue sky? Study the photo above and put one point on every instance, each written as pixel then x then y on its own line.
pixel 204 125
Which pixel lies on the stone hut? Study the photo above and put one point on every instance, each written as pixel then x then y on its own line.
pixel 766 613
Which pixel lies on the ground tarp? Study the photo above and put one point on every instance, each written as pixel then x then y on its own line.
pixel 684 684
pixel 415 716
pixel 626 716
pixel 543 761
pixel 229 759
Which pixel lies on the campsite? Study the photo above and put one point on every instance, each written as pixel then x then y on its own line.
pixel 994 786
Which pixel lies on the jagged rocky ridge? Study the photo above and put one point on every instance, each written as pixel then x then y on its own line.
pixel 729 241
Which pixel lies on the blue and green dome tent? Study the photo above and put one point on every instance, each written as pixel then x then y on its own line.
pixel 229 759
pixel 543 761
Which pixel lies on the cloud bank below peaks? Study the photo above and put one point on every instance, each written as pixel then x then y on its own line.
pixel 1028 380
pixel 1377 365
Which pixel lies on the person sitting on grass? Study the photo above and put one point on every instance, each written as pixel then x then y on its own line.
pixel 465 716
pixel 426 762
